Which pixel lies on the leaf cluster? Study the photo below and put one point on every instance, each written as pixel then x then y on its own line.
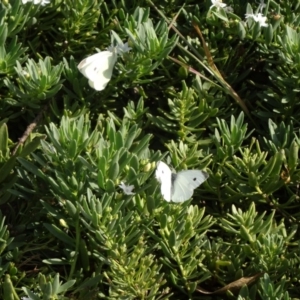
pixel 201 88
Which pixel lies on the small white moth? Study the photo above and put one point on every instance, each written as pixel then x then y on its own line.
pixel 42 2
pixel 98 67
pixel 178 187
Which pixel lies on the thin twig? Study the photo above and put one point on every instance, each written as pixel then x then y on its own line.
pixel 211 68
pixel 30 128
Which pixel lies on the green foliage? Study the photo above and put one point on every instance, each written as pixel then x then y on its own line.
pixel 76 25
pixel 151 43
pixel 229 140
pixel 50 288
pixel 263 241
pixel 36 82
pixel 222 97
pixel 4 236
pixel 181 243
pixel 270 290
pixel 185 116
pixel 8 176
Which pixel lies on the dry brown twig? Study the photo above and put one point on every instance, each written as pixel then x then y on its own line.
pixel 30 128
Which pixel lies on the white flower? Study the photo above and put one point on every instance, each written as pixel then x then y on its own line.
pixel 218 4
pixel 42 2
pixel 127 189
pixel 260 18
pixel 98 67
pixel 120 48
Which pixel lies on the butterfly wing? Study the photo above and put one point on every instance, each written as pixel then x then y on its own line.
pixel 164 175
pixel 185 183
pixel 98 68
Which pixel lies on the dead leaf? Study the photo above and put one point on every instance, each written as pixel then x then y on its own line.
pixel 233 287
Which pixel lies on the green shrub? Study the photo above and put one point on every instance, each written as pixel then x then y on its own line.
pixel 202 87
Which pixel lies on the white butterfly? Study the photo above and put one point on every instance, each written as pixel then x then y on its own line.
pixel 42 2
pixel 178 187
pixel 98 68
